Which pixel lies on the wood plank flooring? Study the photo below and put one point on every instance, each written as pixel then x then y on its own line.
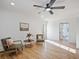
pixel 43 51
pixel 66 43
pixel 77 54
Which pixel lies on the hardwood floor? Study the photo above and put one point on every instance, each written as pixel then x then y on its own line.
pixel 66 43
pixel 77 54
pixel 45 51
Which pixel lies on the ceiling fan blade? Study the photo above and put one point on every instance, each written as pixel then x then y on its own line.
pixel 58 7
pixel 51 2
pixel 42 11
pixel 38 6
pixel 51 12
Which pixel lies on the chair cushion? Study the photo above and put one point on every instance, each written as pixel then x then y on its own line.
pixel 9 42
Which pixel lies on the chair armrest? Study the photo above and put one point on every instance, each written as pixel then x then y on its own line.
pixel 18 43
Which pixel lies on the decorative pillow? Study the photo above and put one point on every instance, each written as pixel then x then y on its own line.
pixel 9 42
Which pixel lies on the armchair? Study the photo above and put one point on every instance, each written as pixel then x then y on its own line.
pixel 15 47
pixel 39 38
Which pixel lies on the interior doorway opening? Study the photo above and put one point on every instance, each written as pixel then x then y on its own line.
pixel 64 31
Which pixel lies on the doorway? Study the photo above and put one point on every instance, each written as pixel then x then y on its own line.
pixel 64 31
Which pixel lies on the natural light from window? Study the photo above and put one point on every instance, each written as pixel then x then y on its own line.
pixel 62 46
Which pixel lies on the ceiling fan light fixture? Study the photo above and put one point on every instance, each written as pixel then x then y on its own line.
pixel 48 9
pixel 12 3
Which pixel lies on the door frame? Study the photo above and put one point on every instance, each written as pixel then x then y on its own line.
pixel 60 29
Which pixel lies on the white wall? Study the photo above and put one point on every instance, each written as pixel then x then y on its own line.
pixel 77 35
pixel 53 29
pixel 9 25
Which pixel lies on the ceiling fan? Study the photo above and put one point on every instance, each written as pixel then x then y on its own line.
pixel 49 6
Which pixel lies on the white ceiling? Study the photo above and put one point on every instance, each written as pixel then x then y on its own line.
pixel 26 7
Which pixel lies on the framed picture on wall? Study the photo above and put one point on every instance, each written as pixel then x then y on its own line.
pixel 24 26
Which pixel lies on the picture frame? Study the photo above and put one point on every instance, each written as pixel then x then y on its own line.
pixel 24 26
